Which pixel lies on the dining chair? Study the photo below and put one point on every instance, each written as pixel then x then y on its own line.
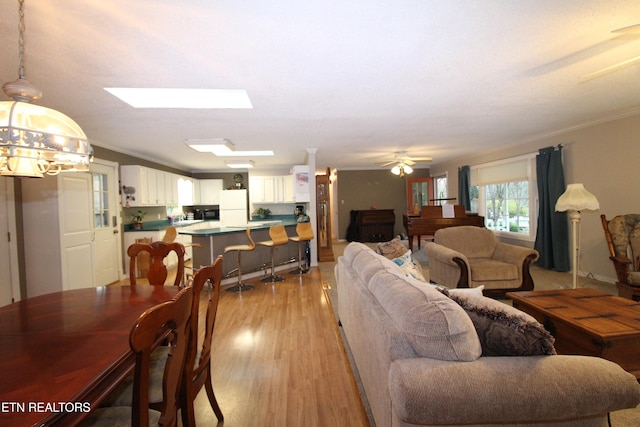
pixel 158 251
pixel 304 234
pixel 166 323
pixel 197 366
pixel 240 286
pixel 197 369
pixel 170 236
pixel 279 237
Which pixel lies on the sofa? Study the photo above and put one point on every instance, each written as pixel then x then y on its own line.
pixel 422 362
pixel 467 257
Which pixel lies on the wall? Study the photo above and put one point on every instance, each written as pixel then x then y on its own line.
pixel 604 158
pixel 362 189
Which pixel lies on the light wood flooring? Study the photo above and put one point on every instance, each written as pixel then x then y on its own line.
pixel 278 359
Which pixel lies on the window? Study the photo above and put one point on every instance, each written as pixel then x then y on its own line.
pixel 440 188
pixel 100 201
pixel 505 194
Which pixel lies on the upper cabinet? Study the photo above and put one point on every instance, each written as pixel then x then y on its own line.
pixel 136 182
pixel 143 186
pixel 271 189
pixel 210 191
pixel 293 188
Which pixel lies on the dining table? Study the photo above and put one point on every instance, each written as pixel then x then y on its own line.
pixel 62 353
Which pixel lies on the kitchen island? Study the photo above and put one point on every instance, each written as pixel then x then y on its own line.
pixel 210 242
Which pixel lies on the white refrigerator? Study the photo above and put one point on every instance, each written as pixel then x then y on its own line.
pixel 233 208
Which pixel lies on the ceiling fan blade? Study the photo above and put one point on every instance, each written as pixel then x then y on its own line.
pixel 389 163
pixel 421 159
pixel 610 69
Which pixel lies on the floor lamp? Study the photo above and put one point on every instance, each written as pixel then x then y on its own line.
pixel 575 199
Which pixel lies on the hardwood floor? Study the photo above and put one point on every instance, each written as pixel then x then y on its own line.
pixel 278 359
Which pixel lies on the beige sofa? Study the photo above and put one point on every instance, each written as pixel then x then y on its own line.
pixel 468 257
pixel 420 359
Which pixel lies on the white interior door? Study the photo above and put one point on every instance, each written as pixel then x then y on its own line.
pixel 76 234
pixel 9 283
pixel 107 248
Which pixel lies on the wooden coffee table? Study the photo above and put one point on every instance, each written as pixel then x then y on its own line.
pixel 587 322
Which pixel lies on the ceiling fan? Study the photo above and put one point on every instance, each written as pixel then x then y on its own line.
pixel 631 32
pixel 402 163
pixel 402 157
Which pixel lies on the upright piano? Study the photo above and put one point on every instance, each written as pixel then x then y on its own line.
pixel 431 219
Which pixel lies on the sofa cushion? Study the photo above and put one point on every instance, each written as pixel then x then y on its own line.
pixel 367 263
pixel 435 325
pixel 485 269
pixel 504 330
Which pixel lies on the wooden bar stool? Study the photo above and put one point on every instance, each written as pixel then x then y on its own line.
pixel 239 287
pixel 278 238
pixel 304 234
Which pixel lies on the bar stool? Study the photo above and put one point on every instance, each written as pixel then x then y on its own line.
pixel 239 287
pixel 278 238
pixel 304 234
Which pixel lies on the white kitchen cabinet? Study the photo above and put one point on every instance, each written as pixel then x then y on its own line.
pixel 271 189
pixel 154 187
pixel 170 189
pixel 210 191
pixel 186 191
pixel 143 182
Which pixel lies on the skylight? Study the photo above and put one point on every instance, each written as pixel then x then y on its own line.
pixel 222 147
pixel 182 98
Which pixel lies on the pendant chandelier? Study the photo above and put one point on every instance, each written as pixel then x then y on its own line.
pixel 36 140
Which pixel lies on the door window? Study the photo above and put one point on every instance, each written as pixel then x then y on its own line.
pixel 100 201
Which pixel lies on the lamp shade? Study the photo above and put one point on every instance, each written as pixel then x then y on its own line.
pixel 576 198
pixel 35 140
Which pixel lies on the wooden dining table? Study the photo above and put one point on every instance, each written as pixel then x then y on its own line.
pixel 62 353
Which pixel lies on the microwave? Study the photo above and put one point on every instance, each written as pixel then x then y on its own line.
pixel 211 214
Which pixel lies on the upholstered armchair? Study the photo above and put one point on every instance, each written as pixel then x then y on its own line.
pixel 623 238
pixel 468 257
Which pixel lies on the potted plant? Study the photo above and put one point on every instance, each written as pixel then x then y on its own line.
pixel 261 213
pixel 137 218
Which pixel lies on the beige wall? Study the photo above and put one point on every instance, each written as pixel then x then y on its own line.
pixel 362 189
pixel 604 158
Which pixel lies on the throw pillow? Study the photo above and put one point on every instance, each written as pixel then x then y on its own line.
pixel 504 330
pixel 405 262
pixel 391 249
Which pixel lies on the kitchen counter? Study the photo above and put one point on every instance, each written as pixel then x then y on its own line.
pixel 211 239
pixel 216 228
pixel 161 225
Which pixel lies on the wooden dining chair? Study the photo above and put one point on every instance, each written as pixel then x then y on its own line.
pixel 197 369
pixel 170 236
pixel 158 251
pixel 166 323
pixel 197 366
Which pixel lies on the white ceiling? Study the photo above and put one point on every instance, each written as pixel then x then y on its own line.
pixel 356 79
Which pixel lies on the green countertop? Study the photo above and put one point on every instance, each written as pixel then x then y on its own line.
pixel 255 225
pixel 214 228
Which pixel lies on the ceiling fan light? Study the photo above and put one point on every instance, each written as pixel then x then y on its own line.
pixel 396 170
pixel 408 169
